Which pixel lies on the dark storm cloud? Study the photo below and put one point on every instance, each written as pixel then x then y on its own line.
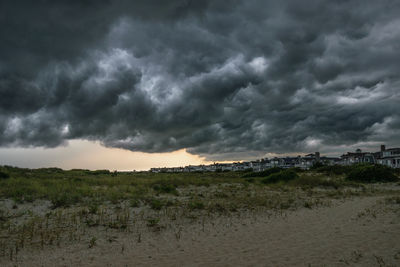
pixel 224 79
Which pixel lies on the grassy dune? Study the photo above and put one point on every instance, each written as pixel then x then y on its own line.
pixel 52 207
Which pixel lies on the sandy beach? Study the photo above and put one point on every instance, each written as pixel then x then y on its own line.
pixel 362 231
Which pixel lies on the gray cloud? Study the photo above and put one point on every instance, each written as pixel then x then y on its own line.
pixel 224 79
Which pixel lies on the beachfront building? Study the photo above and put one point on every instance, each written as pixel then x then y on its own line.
pixel 305 163
pixel 275 162
pixel 351 158
pixel 390 157
pixel 241 166
pixel 256 165
pixel 260 165
pixel 330 160
pixel 225 167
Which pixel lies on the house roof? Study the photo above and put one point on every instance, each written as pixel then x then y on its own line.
pixel 393 149
pixel 353 154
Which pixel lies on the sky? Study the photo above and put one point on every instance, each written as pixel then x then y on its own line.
pixel 135 84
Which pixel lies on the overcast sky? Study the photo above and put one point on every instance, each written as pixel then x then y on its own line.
pixel 225 80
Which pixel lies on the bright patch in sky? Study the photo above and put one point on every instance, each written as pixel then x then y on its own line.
pixel 92 155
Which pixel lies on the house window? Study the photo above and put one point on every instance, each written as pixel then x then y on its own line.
pixel 394 162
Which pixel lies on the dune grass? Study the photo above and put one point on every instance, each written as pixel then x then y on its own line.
pixel 66 188
pixel 81 201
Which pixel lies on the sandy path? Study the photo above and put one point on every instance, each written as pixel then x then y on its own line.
pixel 357 232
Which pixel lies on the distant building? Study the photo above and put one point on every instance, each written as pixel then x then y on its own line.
pixel 358 157
pixel 389 157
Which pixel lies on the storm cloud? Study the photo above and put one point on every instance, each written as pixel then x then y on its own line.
pixel 223 79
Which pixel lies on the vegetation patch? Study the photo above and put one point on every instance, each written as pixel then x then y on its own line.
pixel 316 181
pixel 4 175
pixel 371 174
pixel 333 169
pixel 263 173
pixel 165 187
pixel 134 202
pixel 158 203
pixel 196 205
pixel 152 222
pixel 393 200
pixel 64 199
pixel 282 176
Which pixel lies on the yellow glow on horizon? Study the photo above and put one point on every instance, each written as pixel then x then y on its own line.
pixel 82 154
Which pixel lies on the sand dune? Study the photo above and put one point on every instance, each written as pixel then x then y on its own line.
pixel 358 232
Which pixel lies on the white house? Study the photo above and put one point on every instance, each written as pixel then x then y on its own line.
pixel 390 157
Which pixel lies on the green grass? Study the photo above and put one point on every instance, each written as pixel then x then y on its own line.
pixel 65 188
pixel 68 188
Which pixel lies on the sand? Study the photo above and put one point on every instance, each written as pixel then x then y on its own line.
pixel 364 231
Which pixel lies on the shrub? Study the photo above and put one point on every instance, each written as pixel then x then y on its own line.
pixel 93 208
pixel 63 200
pixel 298 170
pixel 166 187
pixel 134 202
pixel 50 170
pixel 92 242
pixel 315 181
pixel 282 176
pixel 3 216
pixel 371 174
pixel 158 204
pixel 250 180
pixel 334 169
pixel 99 172
pixel 193 205
pixel 263 173
pixel 317 165
pixel 4 175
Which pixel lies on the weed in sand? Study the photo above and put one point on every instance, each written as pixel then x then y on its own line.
pixel 196 205
pixel 151 222
pixel 92 242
